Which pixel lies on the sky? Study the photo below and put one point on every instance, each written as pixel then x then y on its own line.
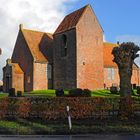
pixel 120 19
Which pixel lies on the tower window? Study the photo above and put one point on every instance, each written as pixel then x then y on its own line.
pixel 64 46
pixel 28 79
pixel 49 71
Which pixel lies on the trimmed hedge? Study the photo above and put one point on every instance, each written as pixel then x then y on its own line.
pixel 55 108
pixel 78 92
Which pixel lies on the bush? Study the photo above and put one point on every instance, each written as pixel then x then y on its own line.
pixel 114 90
pixel 1 88
pixel 87 92
pixel 138 90
pixel 75 92
pixel 78 92
pixel 59 92
pixel 19 93
pixel 12 92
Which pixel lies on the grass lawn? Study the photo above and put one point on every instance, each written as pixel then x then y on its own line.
pixel 3 94
pixel 26 127
pixel 51 93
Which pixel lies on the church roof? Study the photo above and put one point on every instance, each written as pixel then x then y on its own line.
pixel 71 20
pixel 17 68
pixel 33 40
pixel 108 57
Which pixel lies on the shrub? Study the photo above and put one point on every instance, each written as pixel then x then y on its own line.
pixel 114 90
pixel 12 92
pixel 76 92
pixel 138 90
pixel 87 92
pixel 19 93
pixel 1 88
pixel 59 92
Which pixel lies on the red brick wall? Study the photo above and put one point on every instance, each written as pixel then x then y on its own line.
pixel 108 82
pixel 17 81
pixel 40 81
pixel 89 52
pixel 23 57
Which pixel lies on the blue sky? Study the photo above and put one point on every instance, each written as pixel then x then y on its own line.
pixel 120 19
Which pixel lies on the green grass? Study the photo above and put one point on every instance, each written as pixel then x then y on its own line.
pixel 51 93
pixel 2 95
pixel 103 93
pixel 88 126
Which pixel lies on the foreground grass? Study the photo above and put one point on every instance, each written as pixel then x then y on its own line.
pixel 26 127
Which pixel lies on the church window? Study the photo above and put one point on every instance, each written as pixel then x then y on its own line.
pixel 111 73
pixel 28 79
pixel 49 71
pixel 64 46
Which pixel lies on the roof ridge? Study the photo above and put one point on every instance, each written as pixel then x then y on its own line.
pixel 37 31
pixel 77 10
pixel 70 21
pixel 110 43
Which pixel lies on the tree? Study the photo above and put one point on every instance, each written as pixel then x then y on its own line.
pixel 0 51
pixel 124 56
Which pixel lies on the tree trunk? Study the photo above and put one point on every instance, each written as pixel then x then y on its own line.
pixel 125 82
pixel 125 110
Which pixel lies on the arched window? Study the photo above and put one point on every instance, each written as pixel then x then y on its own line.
pixel 49 71
pixel 64 46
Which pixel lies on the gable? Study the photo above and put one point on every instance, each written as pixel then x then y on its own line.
pixel 71 20
pixel 33 40
pixel 21 50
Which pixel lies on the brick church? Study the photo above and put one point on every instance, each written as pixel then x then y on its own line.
pixel 74 56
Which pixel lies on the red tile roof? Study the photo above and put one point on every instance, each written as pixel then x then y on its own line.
pixel 108 57
pixel 70 20
pixel 33 39
pixel 17 68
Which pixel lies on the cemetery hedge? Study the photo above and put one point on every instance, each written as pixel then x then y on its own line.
pixel 55 108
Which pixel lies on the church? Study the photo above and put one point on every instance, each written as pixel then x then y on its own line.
pixel 74 56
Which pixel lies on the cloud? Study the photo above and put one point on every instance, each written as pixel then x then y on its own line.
pixel 130 38
pixel 43 15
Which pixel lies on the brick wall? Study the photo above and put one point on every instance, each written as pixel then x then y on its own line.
pixel 40 81
pixel 23 57
pixel 17 80
pixel 89 52
pixel 65 66
pixel 108 81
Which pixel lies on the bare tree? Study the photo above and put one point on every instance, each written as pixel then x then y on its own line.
pixel 124 56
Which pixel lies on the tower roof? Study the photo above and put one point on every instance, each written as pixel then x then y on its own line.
pixel 71 20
